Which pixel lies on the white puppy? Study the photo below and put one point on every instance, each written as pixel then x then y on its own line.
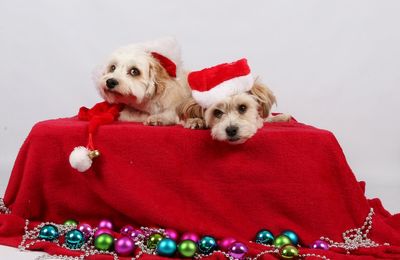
pixel 146 78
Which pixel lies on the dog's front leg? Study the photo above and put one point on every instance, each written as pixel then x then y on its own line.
pixel 164 118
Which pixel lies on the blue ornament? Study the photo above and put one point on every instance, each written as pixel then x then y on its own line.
pixel 166 247
pixel 48 232
pixel 294 238
pixel 265 237
pixel 207 245
pixel 74 239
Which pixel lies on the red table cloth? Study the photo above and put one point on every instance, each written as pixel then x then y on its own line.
pixel 288 176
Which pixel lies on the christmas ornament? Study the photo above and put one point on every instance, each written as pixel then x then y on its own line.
pixel 48 232
pixel 294 238
pixel 74 239
pixel 104 242
pixel 288 252
pixel 207 244
pixel 171 234
pixel 153 240
pixel 265 237
pixel 124 246
pixel 86 229
pixel 102 231
pixel 105 223
pixel 166 247
pixel 190 236
pixel 71 222
pixel 238 250
pixel 81 158
pixel 135 234
pixel 319 244
pixel 126 230
pixel 281 241
pixel 187 248
pixel 226 243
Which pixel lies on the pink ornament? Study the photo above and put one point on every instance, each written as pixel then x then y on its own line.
pixel 225 243
pixel 102 231
pixel 105 223
pixel 238 250
pixel 124 246
pixel 319 244
pixel 86 229
pixel 170 233
pixel 135 233
pixel 126 230
pixel 190 236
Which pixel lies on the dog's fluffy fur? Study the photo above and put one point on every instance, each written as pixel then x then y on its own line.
pixel 236 118
pixel 149 93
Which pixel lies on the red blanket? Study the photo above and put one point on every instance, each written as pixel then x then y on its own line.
pixel 288 176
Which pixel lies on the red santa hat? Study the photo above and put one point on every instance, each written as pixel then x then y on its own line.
pixel 213 84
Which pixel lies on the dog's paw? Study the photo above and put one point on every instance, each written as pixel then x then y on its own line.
pixel 156 120
pixel 195 123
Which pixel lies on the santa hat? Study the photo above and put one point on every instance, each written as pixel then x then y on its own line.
pixel 213 84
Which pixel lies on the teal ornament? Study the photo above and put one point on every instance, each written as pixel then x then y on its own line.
pixel 292 236
pixel 207 245
pixel 166 247
pixel 48 233
pixel 265 237
pixel 74 239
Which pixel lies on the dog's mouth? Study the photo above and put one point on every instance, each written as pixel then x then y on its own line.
pixel 236 140
pixel 112 92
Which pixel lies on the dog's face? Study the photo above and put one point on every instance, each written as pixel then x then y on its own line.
pixel 129 77
pixel 234 119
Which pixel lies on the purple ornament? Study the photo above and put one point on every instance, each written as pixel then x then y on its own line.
pixel 238 250
pixel 124 246
pixel 126 230
pixel 86 229
pixel 226 243
pixel 135 233
pixel 319 244
pixel 105 223
pixel 102 231
pixel 170 233
pixel 190 236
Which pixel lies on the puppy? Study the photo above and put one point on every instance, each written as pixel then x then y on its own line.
pixel 235 118
pixel 147 82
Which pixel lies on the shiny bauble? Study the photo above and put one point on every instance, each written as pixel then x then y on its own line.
pixel 238 250
pixel 187 248
pixel 86 229
pixel 126 230
pixel 48 233
pixel 289 252
pixel 135 234
pixel 226 243
pixel 207 245
pixel 190 236
pixel 170 233
pixel 74 239
pixel 101 231
pixel 281 241
pixel 124 246
pixel 105 223
pixel 294 238
pixel 319 244
pixel 166 247
pixel 104 242
pixel 265 237
pixel 153 240
pixel 71 222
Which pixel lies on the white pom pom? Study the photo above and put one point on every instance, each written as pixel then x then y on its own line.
pixel 79 159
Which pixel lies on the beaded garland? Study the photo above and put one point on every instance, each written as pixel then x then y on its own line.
pixel 353 239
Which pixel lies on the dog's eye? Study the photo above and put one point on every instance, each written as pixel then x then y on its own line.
pixel 218 113
pixel 112 68
pixel 242 109
pixel 134 72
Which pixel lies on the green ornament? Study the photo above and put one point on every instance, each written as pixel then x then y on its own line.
pixel 282 240
pixel 104 242
pixel 289 252
pixel 187 248
pixel 153 240
pixel 74 239
pixel 48 232
pixel 71 222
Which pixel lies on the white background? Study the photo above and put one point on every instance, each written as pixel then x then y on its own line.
pixel 332 64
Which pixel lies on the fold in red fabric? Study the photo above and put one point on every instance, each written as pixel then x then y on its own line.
pixel 288 176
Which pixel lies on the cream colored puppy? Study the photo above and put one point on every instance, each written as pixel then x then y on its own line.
pixel 147 81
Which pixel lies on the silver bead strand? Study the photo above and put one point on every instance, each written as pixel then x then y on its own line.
pixel 3 207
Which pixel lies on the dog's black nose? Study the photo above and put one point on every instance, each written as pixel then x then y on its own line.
pixel 111 83
pixel 231 131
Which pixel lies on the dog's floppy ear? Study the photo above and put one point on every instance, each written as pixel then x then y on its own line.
pixel 190 109
pixel 157 79
pixel 264 97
